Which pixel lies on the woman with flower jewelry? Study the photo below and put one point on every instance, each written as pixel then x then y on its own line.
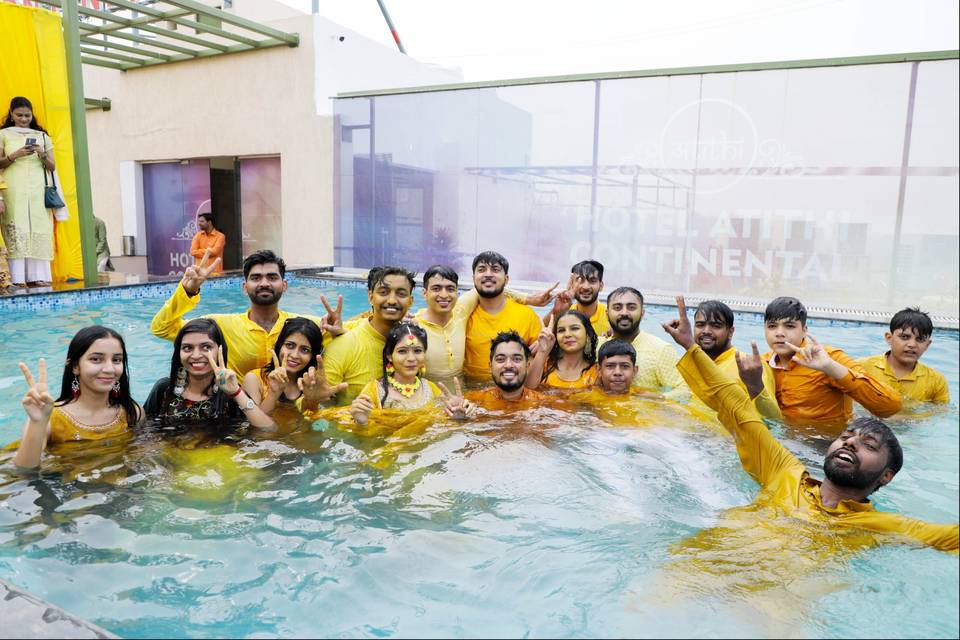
pixel 201 389
pixel 567 354
pixel 94 402
pixel 402 385
pixel 292 378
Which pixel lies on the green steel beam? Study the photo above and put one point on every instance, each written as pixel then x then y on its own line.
pixel 197 26
pixel 140 51
pixel 97 103
pixel 923 56
pixel 290 39
pixel 89 51
pixel 152 43
pixel 78 123
pixel 104 63
pixel 204 54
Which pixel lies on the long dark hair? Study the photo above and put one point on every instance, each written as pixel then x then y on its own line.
pixel 397 332
pixel 78 347
pixel 309 330
pixel 210 329
pixel 589 349
pixel 18 103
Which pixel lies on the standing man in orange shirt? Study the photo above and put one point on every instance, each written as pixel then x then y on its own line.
pixel 817 383
pixel 208 238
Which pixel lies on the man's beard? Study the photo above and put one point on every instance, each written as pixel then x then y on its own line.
pixel 490 294
pixel 715 351
pixel 511 386
pixel 617 331
pixel 264 302
pixel 589 300
pixel 854 477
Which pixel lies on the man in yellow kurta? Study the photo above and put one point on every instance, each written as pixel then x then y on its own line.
pixel 814 518
pixel 252 334
pixel 713 331
pixel 496 313
pixel 356 357
pixel 900 367
pixel 656 360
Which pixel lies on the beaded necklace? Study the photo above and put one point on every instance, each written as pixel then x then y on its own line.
pixel 406 390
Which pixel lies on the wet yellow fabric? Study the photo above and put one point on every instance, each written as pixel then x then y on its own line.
pixel 63 428
pixel 599 320
pixel 446 344
pixel 373 391
pixel 483 327
pixel 586 380
pixel 34 66
pixel 766 401
pixel 923 384
pixel 355 358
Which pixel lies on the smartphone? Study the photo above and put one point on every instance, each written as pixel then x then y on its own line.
pixel 31 142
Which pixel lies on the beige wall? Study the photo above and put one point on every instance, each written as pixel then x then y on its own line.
pixel 256 103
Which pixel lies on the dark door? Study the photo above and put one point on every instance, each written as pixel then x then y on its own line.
pixel 223 203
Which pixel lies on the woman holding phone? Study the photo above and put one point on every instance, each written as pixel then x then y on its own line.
pixel 26 154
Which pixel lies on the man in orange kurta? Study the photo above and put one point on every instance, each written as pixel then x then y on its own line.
pixel 208 238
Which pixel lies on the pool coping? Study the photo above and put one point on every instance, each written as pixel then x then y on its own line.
pixel 33 617
pixel 357 277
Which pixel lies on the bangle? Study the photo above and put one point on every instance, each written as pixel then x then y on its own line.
pixel 235 394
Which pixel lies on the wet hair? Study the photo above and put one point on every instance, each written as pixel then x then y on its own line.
pixel 211 329
pixel 619 291
pixel 19 103
pixel 615 347
pixel 491 258
pixel 912 318
pixel 443 271
pixel 309 330
pixel 509 336
pixel 378 275
pixel 264 256
pixel 587 268
pixel 79 345
pixel 866 425
pixel 396 333
pixel 785 308
pixel 715 311
pixel 208 216
pixel 589 349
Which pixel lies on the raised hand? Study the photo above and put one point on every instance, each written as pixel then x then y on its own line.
pixel 278 378
pixel 542 298
pixel 816 357
pixel 456 406
pixel 195 275
pixel 315 386
pixel 751 370
pixel 679 329
pixel 332 323
pixel 37 402
pixel 546 339
pixel 360 408
pixel 226 378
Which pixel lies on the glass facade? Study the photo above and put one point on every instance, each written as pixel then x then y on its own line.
pixel 838 185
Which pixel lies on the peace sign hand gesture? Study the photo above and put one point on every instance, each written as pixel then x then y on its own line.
pixel 37 402
pixel 816 357
pixel 546 339
pixel 195 275
pixel 679 329
pixel 332 323
pixel 751 370
pixel 456 406
pixel 226 378
pixel 278 378
pixel 542 298
pixel 315 386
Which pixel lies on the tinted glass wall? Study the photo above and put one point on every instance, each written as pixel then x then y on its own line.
pixel 838 185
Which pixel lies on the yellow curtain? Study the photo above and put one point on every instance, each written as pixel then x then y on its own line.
pixel 33 64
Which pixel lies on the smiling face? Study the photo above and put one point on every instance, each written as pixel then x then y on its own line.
pixel 858 460
pixel 906 346
pixel 391 298
pixel 588 289
pixel 408 358
pixel 490 279
pixel 779 332
pixel 264 285
pixel 712 335
pixel 616 374
pixel 441 294
pixel 22 117
pixel 571 334
pixel 508 366
pixel 194 351
pixel 101 366
pixel 625 312
pixel 296 353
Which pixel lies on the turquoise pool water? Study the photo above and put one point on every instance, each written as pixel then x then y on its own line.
pixel 560 526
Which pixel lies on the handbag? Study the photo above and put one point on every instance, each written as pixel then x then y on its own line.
pixel 51 199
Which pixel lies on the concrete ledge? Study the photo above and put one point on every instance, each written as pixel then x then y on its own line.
pixel 27 616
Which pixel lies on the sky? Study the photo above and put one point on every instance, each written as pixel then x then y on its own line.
pixel 500 39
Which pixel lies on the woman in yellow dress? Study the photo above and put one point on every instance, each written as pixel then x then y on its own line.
pixel 94 402
pixel 567 354
pixel 26 153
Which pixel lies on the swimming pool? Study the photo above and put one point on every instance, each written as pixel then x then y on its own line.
pixel 560 528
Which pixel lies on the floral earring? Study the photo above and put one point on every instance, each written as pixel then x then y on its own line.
pixel 389 367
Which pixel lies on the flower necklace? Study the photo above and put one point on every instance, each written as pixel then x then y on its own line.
pixel 406 390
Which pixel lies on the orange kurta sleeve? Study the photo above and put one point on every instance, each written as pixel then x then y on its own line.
pixel 876 397
pixel 195 249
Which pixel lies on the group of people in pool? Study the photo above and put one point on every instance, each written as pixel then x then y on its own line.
pixel 251 367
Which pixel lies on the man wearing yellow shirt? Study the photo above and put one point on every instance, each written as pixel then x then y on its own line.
pixel 250 335
pixel 356 357
pixel 656 360
pixel 496 313
pixel 900 368
pixel 713 331
pixel 812 519
pixel 583 295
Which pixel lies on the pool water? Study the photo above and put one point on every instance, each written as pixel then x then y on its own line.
pixel 545 524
